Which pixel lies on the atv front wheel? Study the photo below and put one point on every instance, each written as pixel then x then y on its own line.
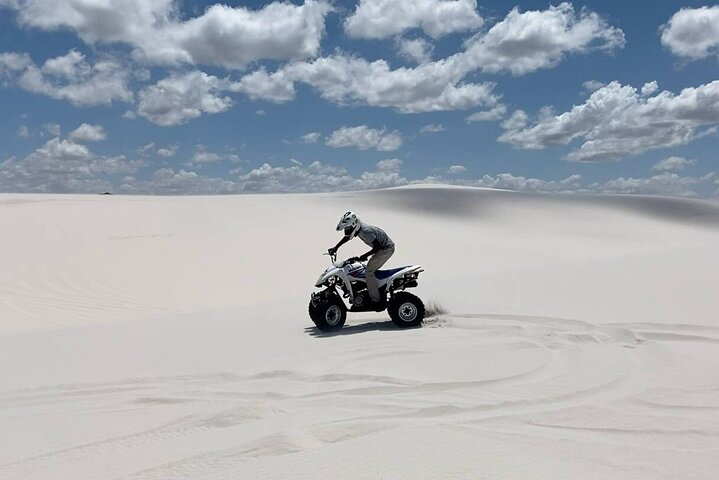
pixel 328 315
pixel 406 310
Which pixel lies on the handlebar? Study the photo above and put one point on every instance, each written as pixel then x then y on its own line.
pixel 333 257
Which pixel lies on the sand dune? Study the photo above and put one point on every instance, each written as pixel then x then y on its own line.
pixel 167 338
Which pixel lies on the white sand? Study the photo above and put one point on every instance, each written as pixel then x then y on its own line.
pixel 167 338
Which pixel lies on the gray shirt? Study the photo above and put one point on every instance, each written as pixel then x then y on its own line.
pixel 369 233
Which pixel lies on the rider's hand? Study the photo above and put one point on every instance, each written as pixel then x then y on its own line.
pixel 332 251
pixel 363 258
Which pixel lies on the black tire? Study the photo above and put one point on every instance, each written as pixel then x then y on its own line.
pixel 328 315
pixel 406 310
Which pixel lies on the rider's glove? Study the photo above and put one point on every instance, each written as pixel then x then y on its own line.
pixel 363 258
pixel 332 251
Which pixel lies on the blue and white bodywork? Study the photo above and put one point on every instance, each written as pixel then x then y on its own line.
pixel 345 287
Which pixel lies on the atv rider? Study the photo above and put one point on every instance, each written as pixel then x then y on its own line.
pixel 375 237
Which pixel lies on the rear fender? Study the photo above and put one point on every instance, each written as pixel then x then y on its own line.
pixel 411 272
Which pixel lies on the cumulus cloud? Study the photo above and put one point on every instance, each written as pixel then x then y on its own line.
pixel 86 133
pixel 11 63
pixel 617 121
pixel 693 33
pixel 516 121
pixel 663 184
pixel 521 43
pixel 507 181
pixel 181 97
pixel 365 138
pixel 592 85
pixel 674 163
pixel 167 152
pixel 527 41
pixel 69 77
pixel 432 86
pixel 378 19
pixel 202 155
pixel 277 87
pixel 494 114
pixel 62 166
pixel 417 50
pixel 225 36
pixel 167 181
pixel 315 177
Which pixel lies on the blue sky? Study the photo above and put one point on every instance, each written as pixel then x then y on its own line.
pixel 161 96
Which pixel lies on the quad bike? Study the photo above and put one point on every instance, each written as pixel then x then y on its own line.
pixel 346 280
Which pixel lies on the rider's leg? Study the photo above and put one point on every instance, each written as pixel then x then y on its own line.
pixel 374 264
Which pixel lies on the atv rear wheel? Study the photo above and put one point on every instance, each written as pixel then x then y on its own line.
pixel 406 310
pixel 328 315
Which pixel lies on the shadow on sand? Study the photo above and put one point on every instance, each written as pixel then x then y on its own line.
pixel 355 329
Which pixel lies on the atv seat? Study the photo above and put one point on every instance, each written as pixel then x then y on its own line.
pixel 382 274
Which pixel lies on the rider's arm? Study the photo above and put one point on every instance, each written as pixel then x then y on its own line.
pixel 375 248
pixel 341 242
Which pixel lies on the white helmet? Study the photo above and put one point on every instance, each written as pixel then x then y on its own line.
pixel 350 223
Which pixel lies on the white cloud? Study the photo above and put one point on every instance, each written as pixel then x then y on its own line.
pixel 167 181
pixel 145 149
pixel 517 120
pixel 592 85
pixel 11 63
pixel 23 132
pixel 521 43
pixel 311 137
pixel 181 97
pixel 432 86
pixel 364 138
pixel 673 163
pixel 417 50
pixel 528 41
pixel 693 32
pixel 431 128
pixel 167 152
pixel 316 177
pixel 62 166
pixel 386 18
pixel 88 133
pixel 70 77
pixel 662 184
pixel 616 122
pixel 494 114
pixel 230 37
pixel 203 156
pixel 650 88
pixel 456 169
pixel 260 85
pixel 507 181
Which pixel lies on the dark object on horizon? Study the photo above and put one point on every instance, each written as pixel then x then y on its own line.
pixel 106 193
